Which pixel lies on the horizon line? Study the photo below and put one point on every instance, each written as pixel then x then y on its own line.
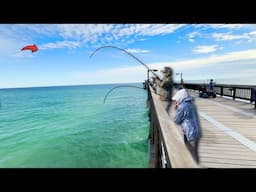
pixel 45 86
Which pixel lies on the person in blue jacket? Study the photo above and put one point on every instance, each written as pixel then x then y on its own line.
pixel 211 85
pixel 187 116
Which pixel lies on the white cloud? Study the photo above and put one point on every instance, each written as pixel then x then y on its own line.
pixel 23 54
pixel 246 76
pixel 206 48
pixel 156 29
pixel 89 33
pixel 138 73
pixel 252 33
pixel 237 56
pixel 43 29
pixel 229 37
pixel 227 26
pixel 137 50
pixel 221 26
pixel 83 32
pixel 60 45
pixel 192 35
pixel 250 37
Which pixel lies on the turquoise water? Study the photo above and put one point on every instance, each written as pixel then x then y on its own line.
pixel 70 126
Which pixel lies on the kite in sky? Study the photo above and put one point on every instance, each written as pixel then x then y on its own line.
pixel 33 48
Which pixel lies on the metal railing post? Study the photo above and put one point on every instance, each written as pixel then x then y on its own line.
pixel 234 93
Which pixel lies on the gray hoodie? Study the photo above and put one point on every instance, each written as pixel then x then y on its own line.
pixel 186 115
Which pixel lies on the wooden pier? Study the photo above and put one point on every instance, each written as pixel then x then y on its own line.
pixel 228 134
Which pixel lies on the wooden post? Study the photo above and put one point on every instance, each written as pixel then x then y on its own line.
pixel 151 147
pixel 151 133
pixel 221 91
pixel 156 145
pixel 153 137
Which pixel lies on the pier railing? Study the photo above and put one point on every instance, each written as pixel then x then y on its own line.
pixel 245 92
pixel 166 145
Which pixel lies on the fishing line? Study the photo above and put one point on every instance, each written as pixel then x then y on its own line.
pixel 119 87
pixel 110 46
pixel 137 59
pixel 132 86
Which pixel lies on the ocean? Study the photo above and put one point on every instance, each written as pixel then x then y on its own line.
pixel 71 127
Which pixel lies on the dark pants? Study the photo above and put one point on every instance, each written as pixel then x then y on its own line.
pixel 168 106
pixel 192 146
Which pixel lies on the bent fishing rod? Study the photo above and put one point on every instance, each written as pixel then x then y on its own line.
pixel 110 46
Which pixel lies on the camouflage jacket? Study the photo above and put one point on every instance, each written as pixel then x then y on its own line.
pixel 165 87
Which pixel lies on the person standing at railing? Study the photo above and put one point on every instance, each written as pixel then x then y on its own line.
pixel 165 86
pixel 187 116
pixel 153 84
pixel 211 89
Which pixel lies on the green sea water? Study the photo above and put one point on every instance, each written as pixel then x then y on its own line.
pixel 70 127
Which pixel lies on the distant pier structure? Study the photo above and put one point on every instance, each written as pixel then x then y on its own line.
pixel 228 129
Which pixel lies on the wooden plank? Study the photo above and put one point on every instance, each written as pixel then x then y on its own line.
pixel 219 141
pixel 223 149
pixel 232 155
pixel 213 140
pixel 223 165
pixel 228 161
pixel 232 145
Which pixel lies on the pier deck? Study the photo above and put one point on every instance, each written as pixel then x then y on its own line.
pixel 229 132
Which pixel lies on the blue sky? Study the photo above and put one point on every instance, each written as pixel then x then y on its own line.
pixel 224 52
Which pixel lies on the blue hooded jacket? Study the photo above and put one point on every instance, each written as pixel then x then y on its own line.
pixel 186 116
